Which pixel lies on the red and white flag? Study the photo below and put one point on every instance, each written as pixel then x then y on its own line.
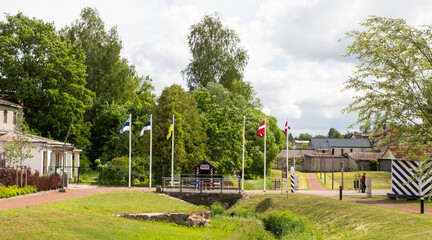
pixel 261 130
pixel 287 127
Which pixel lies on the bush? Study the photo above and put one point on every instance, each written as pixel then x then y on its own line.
pixel 373 165
pixel 217 209
pixel 116 175
pixel 284 224
pixel 8 177
pixel 11 191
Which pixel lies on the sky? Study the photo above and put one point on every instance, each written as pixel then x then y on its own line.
pixel 296 63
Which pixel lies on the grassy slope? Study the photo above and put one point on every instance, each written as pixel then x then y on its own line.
pixel 92 218
pixel 380 180
pixel 346 220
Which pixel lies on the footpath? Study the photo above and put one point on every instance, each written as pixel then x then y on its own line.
pixel 75 191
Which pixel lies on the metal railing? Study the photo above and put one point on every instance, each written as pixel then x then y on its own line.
pixel 201 183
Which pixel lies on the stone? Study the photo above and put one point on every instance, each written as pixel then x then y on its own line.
pixel 184 219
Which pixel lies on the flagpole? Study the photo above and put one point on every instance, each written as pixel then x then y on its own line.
pixel 265 146
pixel 243 140
pixel 151 133
pixel 286 128
pixel 130 143
pixel 172 155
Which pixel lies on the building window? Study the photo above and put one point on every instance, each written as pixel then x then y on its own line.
pixel 342 151
pixel 14 118
pixel 5 116
pixel 351 150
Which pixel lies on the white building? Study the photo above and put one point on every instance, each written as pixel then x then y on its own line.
pixel 47 153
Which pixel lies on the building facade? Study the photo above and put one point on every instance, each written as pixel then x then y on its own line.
pixel 47 154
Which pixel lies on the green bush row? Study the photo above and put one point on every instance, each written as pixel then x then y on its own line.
pixel 12 191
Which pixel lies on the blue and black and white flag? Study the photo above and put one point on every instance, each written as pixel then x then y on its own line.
pixel 126 126
pixel 146 127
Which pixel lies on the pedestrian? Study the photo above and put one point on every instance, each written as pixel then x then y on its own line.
pixel 363 182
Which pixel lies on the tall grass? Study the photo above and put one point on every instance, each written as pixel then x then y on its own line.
pixel 344 219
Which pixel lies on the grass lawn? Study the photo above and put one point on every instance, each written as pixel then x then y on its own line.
pixel 258 184
pixel 344 219
pixel 380 180
pixel 92 217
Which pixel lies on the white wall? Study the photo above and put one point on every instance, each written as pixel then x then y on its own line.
pixel 9 124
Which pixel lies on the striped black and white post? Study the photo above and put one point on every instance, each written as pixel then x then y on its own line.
pixel 292 179
pixel 402 182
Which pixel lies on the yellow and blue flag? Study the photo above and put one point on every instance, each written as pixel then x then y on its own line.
pixel 171 127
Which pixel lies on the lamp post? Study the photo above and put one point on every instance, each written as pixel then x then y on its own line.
pixel 63 189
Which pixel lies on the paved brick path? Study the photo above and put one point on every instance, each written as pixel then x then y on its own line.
pixel 314 183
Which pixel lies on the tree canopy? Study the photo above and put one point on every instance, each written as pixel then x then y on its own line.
pixel 217 57
pixel 333 133
pixel 109 76
pixel 393 82
pixel 45 74
pixel 189 137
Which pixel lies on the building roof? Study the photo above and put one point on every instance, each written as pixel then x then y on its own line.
pixel 8 103
pixel 325 144
pixel 206 162
pixel 57 145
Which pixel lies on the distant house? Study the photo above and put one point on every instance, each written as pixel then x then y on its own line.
pixel 47 154
pixel 338 147
pixel 330 154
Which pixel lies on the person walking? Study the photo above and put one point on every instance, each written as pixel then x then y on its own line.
pixel 363 182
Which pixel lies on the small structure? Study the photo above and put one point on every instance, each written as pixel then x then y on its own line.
pixel 205 168
pixel 363 160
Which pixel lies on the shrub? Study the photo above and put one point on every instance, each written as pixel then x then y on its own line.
pixel 11 191
pixel 284 224
pixel 373 163
pixel 116 175
pixel 42 183
pixel 217 209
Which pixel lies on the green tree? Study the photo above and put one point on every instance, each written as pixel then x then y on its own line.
pixel 333 133
pixel 320 136
pixel 46 75
pixel 190 138
pixel 216 57
pixel 393 84
pixel 304 137
pixel 108 75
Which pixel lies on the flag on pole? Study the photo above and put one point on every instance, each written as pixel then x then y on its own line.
pixel 261 130
pixel 126 126
pixel 171 127
pixel 243 133
pixel 287 127
pixel 146 127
